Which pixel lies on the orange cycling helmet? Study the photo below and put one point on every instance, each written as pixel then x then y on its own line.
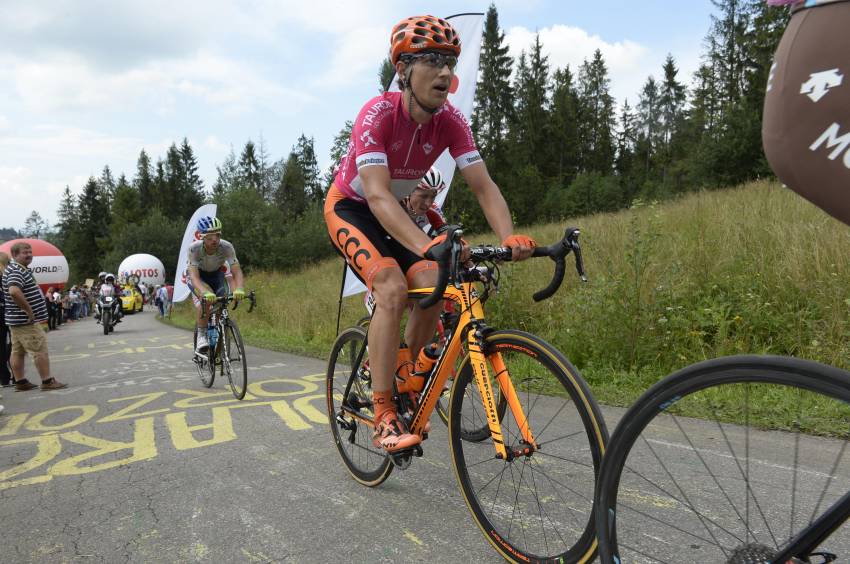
pixel 417 33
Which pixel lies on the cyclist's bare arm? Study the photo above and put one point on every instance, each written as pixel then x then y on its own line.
pixel 238 279
pixel 194 275
pixel 493 204
pixel 376 187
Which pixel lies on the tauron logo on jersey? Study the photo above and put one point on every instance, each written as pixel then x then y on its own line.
pixel 427 147
pixel 820 83
pixel 373 112
pixel 367 138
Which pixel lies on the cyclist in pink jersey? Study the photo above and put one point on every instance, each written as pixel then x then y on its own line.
pixel 396 138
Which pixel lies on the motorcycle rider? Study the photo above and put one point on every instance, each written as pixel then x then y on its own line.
pixel 111 290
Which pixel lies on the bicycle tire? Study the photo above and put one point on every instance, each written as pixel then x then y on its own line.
pixel 232 343
pixel 367 464
pixel 203 363
pixel 766 412
pixel 521 524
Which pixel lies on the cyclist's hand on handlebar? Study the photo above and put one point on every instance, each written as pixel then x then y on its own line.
pixel 441 238
pixel 238 294
pixel 209 297
pixel 521 246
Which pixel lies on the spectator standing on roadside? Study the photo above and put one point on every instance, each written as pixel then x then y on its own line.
pixel 74 295
pixel 57 304
pixel 143 289
pixel 84 301
pixel 25 311
pixel 51 309
pixel 66 307
pixel 5 337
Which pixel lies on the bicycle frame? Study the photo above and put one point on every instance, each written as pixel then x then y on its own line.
pixel 805 543
pixel 471 325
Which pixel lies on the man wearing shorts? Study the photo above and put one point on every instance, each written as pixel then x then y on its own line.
pixel 26 310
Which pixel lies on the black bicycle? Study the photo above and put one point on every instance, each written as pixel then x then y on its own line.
pixel 741 459
pixel 226 349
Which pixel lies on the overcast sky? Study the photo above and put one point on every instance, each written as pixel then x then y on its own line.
pixel 88 83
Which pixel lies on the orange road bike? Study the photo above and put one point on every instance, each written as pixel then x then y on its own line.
pixel 226 350
pixel 525 434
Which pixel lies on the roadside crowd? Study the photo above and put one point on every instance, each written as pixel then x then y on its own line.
pixel 27 313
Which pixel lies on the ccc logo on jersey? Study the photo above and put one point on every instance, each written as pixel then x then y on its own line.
pixel 351 247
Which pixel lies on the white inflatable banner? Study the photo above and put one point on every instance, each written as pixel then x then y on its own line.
pixel 147 268
pixel 181 289
pixel 469 27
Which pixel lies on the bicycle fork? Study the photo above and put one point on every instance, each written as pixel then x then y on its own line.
pixel 506 387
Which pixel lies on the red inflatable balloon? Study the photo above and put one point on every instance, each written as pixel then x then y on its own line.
pixel 48 263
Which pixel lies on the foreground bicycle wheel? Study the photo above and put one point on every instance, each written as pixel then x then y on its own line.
pixel 233 360
pixel 203 363
pixel 693 475
pixel 538 506
pixel 353 437
pixel 473 424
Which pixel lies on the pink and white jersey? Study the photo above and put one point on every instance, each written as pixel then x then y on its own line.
pixel 385 135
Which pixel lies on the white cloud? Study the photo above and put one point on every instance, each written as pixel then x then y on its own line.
pixel 215 144
pixel 629 63
pixel 68 83
pixel 4 122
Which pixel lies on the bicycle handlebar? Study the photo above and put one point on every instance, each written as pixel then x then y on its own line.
pixel 447 256
pixel 250 296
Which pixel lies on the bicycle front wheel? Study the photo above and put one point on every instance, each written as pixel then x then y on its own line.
pixel 538 504
pixel 203 363
pixel 725 461
pixel 233 360
pixel 349 360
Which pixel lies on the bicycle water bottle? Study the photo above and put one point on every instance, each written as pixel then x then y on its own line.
pixel 425 361
pixel 404 371
pixel 212 335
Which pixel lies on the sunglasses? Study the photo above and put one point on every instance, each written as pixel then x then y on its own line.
pixel 436 60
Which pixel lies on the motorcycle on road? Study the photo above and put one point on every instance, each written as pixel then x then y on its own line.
pixel 108 313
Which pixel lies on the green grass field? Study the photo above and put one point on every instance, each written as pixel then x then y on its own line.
pixel 754 269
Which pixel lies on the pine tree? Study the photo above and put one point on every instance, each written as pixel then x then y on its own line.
pixel 339 148
pixel 494 95
pixel 127 206
pixel 596 115
pixel 564 130
pixel 291 197
pixel 649 123
pixel 386 74
pixel 93 230
pixel 250 175
pixel 228 176
pixel 35 227
pixel 306 154
pixel 191 181
pixel 531 123
pixel 107 186
pixel 143 182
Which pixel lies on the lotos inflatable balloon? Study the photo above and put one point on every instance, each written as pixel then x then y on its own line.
pixel 147 268
pixel 48 265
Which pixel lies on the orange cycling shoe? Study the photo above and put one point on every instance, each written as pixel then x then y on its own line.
pixel 391 433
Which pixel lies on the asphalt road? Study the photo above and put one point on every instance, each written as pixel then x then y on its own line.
pixel 137 462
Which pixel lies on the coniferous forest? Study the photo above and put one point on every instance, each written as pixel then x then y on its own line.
pixel 554 139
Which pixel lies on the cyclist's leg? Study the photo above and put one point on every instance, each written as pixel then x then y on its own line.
pixel 423 322
pixel 359 237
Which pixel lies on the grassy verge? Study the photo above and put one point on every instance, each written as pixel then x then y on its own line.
pixel 754 269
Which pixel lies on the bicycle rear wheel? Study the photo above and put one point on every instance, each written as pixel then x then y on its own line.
pixel 725 461
pixel 234 363
pixel 352 435
pixel 536 506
